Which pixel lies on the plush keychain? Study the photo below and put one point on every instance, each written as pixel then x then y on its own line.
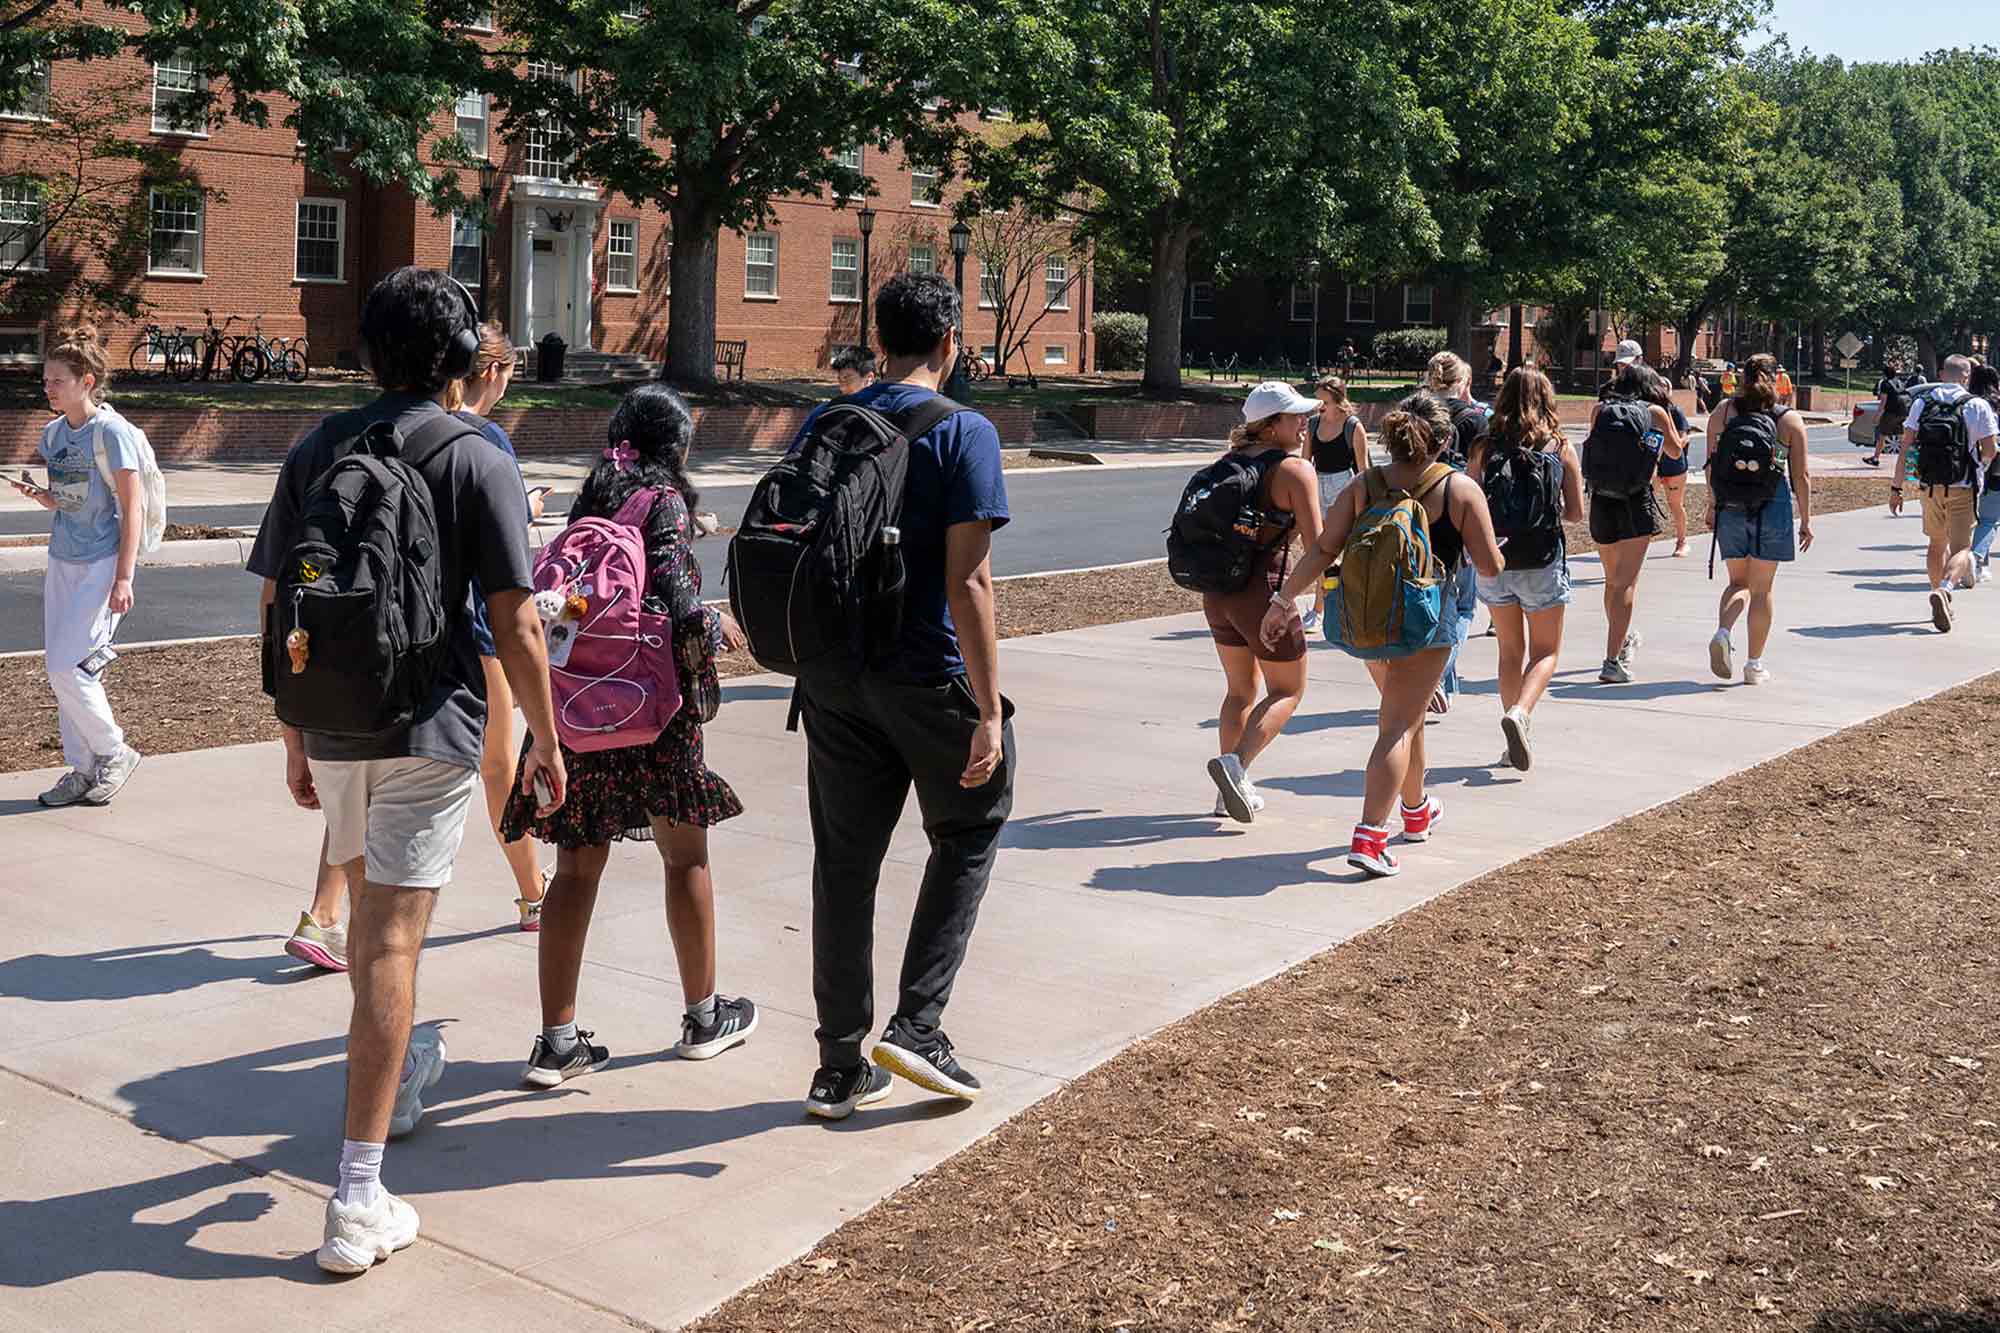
pixel 297 643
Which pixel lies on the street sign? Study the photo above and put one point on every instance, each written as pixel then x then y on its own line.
pixel 1849 346
pixel 1849 362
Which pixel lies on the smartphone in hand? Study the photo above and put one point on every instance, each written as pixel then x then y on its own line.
pixel 27 484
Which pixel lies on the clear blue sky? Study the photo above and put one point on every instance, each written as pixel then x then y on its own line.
pixel 1884 29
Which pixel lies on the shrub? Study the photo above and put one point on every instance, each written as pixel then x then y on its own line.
pixel 1409 349
pixel 1121 340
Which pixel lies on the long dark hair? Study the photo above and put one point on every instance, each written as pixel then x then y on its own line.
pixel 1985 383
pixel 654 420
pixel 1525 412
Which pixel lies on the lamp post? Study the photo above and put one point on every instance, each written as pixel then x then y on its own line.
pixel 866 219
pixel 489 183
pixel 1312 276
pixel 961 241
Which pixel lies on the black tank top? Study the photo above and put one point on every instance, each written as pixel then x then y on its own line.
pixel 1336 454
pixel 1447 542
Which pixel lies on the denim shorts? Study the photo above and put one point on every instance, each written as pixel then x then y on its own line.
pixel 1530 589
pixel 1765 534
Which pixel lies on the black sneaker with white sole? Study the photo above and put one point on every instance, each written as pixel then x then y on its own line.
pixel 546 1069
pixel 732 1025
pixel 836 1092
pixel 927 1062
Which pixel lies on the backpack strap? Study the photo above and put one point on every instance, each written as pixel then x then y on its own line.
pixel 432 438
pixel 925 417
pixel 637 506
pixel 1436 475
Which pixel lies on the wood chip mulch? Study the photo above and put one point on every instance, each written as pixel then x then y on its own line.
pixel 1725 1065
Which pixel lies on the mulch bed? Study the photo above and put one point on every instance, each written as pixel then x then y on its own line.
pixel 1724 1065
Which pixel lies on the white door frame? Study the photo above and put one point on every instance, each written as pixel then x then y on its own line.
pixel 568 214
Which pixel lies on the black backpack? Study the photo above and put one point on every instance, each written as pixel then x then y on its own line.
pixel 1468 422
pixel 1212 542
pixel 1618 460
pixel 1743 471
pixel 359 631
pixel 1524 492
pixel 1944 452
pixel 816 576
pixel 1898 392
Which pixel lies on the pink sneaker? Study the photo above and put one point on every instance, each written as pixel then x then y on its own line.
pixel 1419 822
pixel 1369 851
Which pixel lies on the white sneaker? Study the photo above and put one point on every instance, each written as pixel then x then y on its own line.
pixel 70 788
pixel 1515 726
pixel 1227 773
pixel 1630 648
pixel 1756 673
pixel 357 1237
pixel 1719 650
pixel 1256 803
pixel 420 1073
pixel 113 773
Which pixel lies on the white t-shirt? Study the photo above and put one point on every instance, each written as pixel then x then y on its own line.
pixel 1980 424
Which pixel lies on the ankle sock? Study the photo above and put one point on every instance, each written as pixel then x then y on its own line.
pixel 561 1037
pixel 703 1011
pixel 1756 662
pixel 1371 832
pixel 360 1173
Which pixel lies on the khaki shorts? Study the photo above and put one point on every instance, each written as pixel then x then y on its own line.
pixel 1948 514
pixel 406 817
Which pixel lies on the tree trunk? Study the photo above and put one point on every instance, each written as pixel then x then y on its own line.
pixel 1458 297
pixel 1686 330
pixel 1818 347
pixel 1927 350
pixel 1163 306
pixel 691 300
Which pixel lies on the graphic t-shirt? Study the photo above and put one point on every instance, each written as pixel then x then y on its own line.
pixel 955 477
pixel 86 514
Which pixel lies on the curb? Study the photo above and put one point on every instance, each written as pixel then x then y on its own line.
pixel 171 555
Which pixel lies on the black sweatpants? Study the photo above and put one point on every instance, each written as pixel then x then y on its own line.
pixel 867 742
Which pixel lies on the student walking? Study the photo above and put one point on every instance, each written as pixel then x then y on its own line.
pixel 1449 377
pixel 853 369
pixel 1339 445
pixel 1628 436
pixel 1985 383
pixel 1948 443
pixel 921 707
pixel 1756 472
pixel 1232 539
pixel 96 493
pixel 1375 530
pixel 391 755
pixel 1893 394
pixel 660 790
pixel 1533 481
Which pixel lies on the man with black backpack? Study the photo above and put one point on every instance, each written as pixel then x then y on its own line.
pixel 380 520
pixel 1894 393
pixel 1948 441
pixel 862 566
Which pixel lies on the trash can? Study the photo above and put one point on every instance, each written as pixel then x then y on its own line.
pixel 549 361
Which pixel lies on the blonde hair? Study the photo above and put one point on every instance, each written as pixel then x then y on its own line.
pixel 1246 433
pixel 1335 388
pixel 495 349
pixel 1417 431
pixel 1446 372
pixel 79 351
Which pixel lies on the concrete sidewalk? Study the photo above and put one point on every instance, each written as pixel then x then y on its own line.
pixel 172 1083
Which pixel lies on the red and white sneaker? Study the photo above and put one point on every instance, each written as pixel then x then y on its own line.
pixel 1370 851
pixel 1418 823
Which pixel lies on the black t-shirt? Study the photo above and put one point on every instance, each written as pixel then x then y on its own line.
pixel 482 521
pixel 1607 391
pixel 1469 422
pixel 1336 454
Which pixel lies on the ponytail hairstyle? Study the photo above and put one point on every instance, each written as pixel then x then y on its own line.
pixel 1757 384
pixel 1334 387
pixel 1418 430
pixel 78 350
pixel 495 349
pixel 1525 412
pixel 1446 373
pixel 651 432
pixel 1257 434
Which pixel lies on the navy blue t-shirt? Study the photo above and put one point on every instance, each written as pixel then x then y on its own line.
pixel 955 477
pixel 482 625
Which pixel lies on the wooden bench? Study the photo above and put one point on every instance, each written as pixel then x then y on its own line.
pixel 729 358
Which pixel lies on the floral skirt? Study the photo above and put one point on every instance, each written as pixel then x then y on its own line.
pixel 616 794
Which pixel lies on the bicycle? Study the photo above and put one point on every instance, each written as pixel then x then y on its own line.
pixel 170 348
pixel 259 356
pixel 976 368
pixel 219 347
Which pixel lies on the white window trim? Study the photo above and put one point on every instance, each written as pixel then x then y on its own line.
pixel 1055 354
pixel 1409 318
pixel 930 254
pixel 775 291
pixel 39 261
pixel 609 285
pixel 16 359
pixel 169 130
pixel 628 113
pixel 199 271
pixel 340 242
pixel 452 246
pixel 1192 302
pixel 477 25
pixel 485 118
pixel 917 199
pixel 1292 303
pixel 1060 301
pixel 1353 318
pixel 48 90
pixel 833 297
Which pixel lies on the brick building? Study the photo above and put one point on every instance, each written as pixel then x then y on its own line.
pixel 298 252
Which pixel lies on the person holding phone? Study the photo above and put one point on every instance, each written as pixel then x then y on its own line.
pixel 93 553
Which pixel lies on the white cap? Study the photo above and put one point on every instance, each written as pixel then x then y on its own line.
pixel 1272 397
pixel 1628 352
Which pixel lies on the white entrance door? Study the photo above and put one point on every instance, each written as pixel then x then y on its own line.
pixel 547 288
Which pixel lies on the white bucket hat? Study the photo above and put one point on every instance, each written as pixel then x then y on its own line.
pixel 1273 397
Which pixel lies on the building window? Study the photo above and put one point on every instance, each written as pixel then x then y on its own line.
pixel 544 160
pixel 1417 304
pixel 34 103
pixel 1302 303
pixel 923 258
pixel 846 282
pixel 632 121
pixel 923 187
pixel 989 287
pixel 483 20
pixel 23 248
pixel 990 354
pixel 472 122
pixel 621 255
pixel 20 345
pixel 1360 304
pixel 179 90
pixel 176 232
pixel 1201 300
pixel 321 237
pixel 851 158
pixel 468 249
pixel 1055 354
pixel 1055 281
pixel 760 265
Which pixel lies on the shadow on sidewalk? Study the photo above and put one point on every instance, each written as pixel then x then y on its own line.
pixel 1873 630
pixel 1305 723
pixel 1226 877
pixel 1071 829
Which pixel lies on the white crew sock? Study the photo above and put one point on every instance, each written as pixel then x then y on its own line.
pixel 561 1037
pixel 1755 663
pixel 360 1173
pixel 703 1011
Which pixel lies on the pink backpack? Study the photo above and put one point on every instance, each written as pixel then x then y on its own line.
pixel 611 667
